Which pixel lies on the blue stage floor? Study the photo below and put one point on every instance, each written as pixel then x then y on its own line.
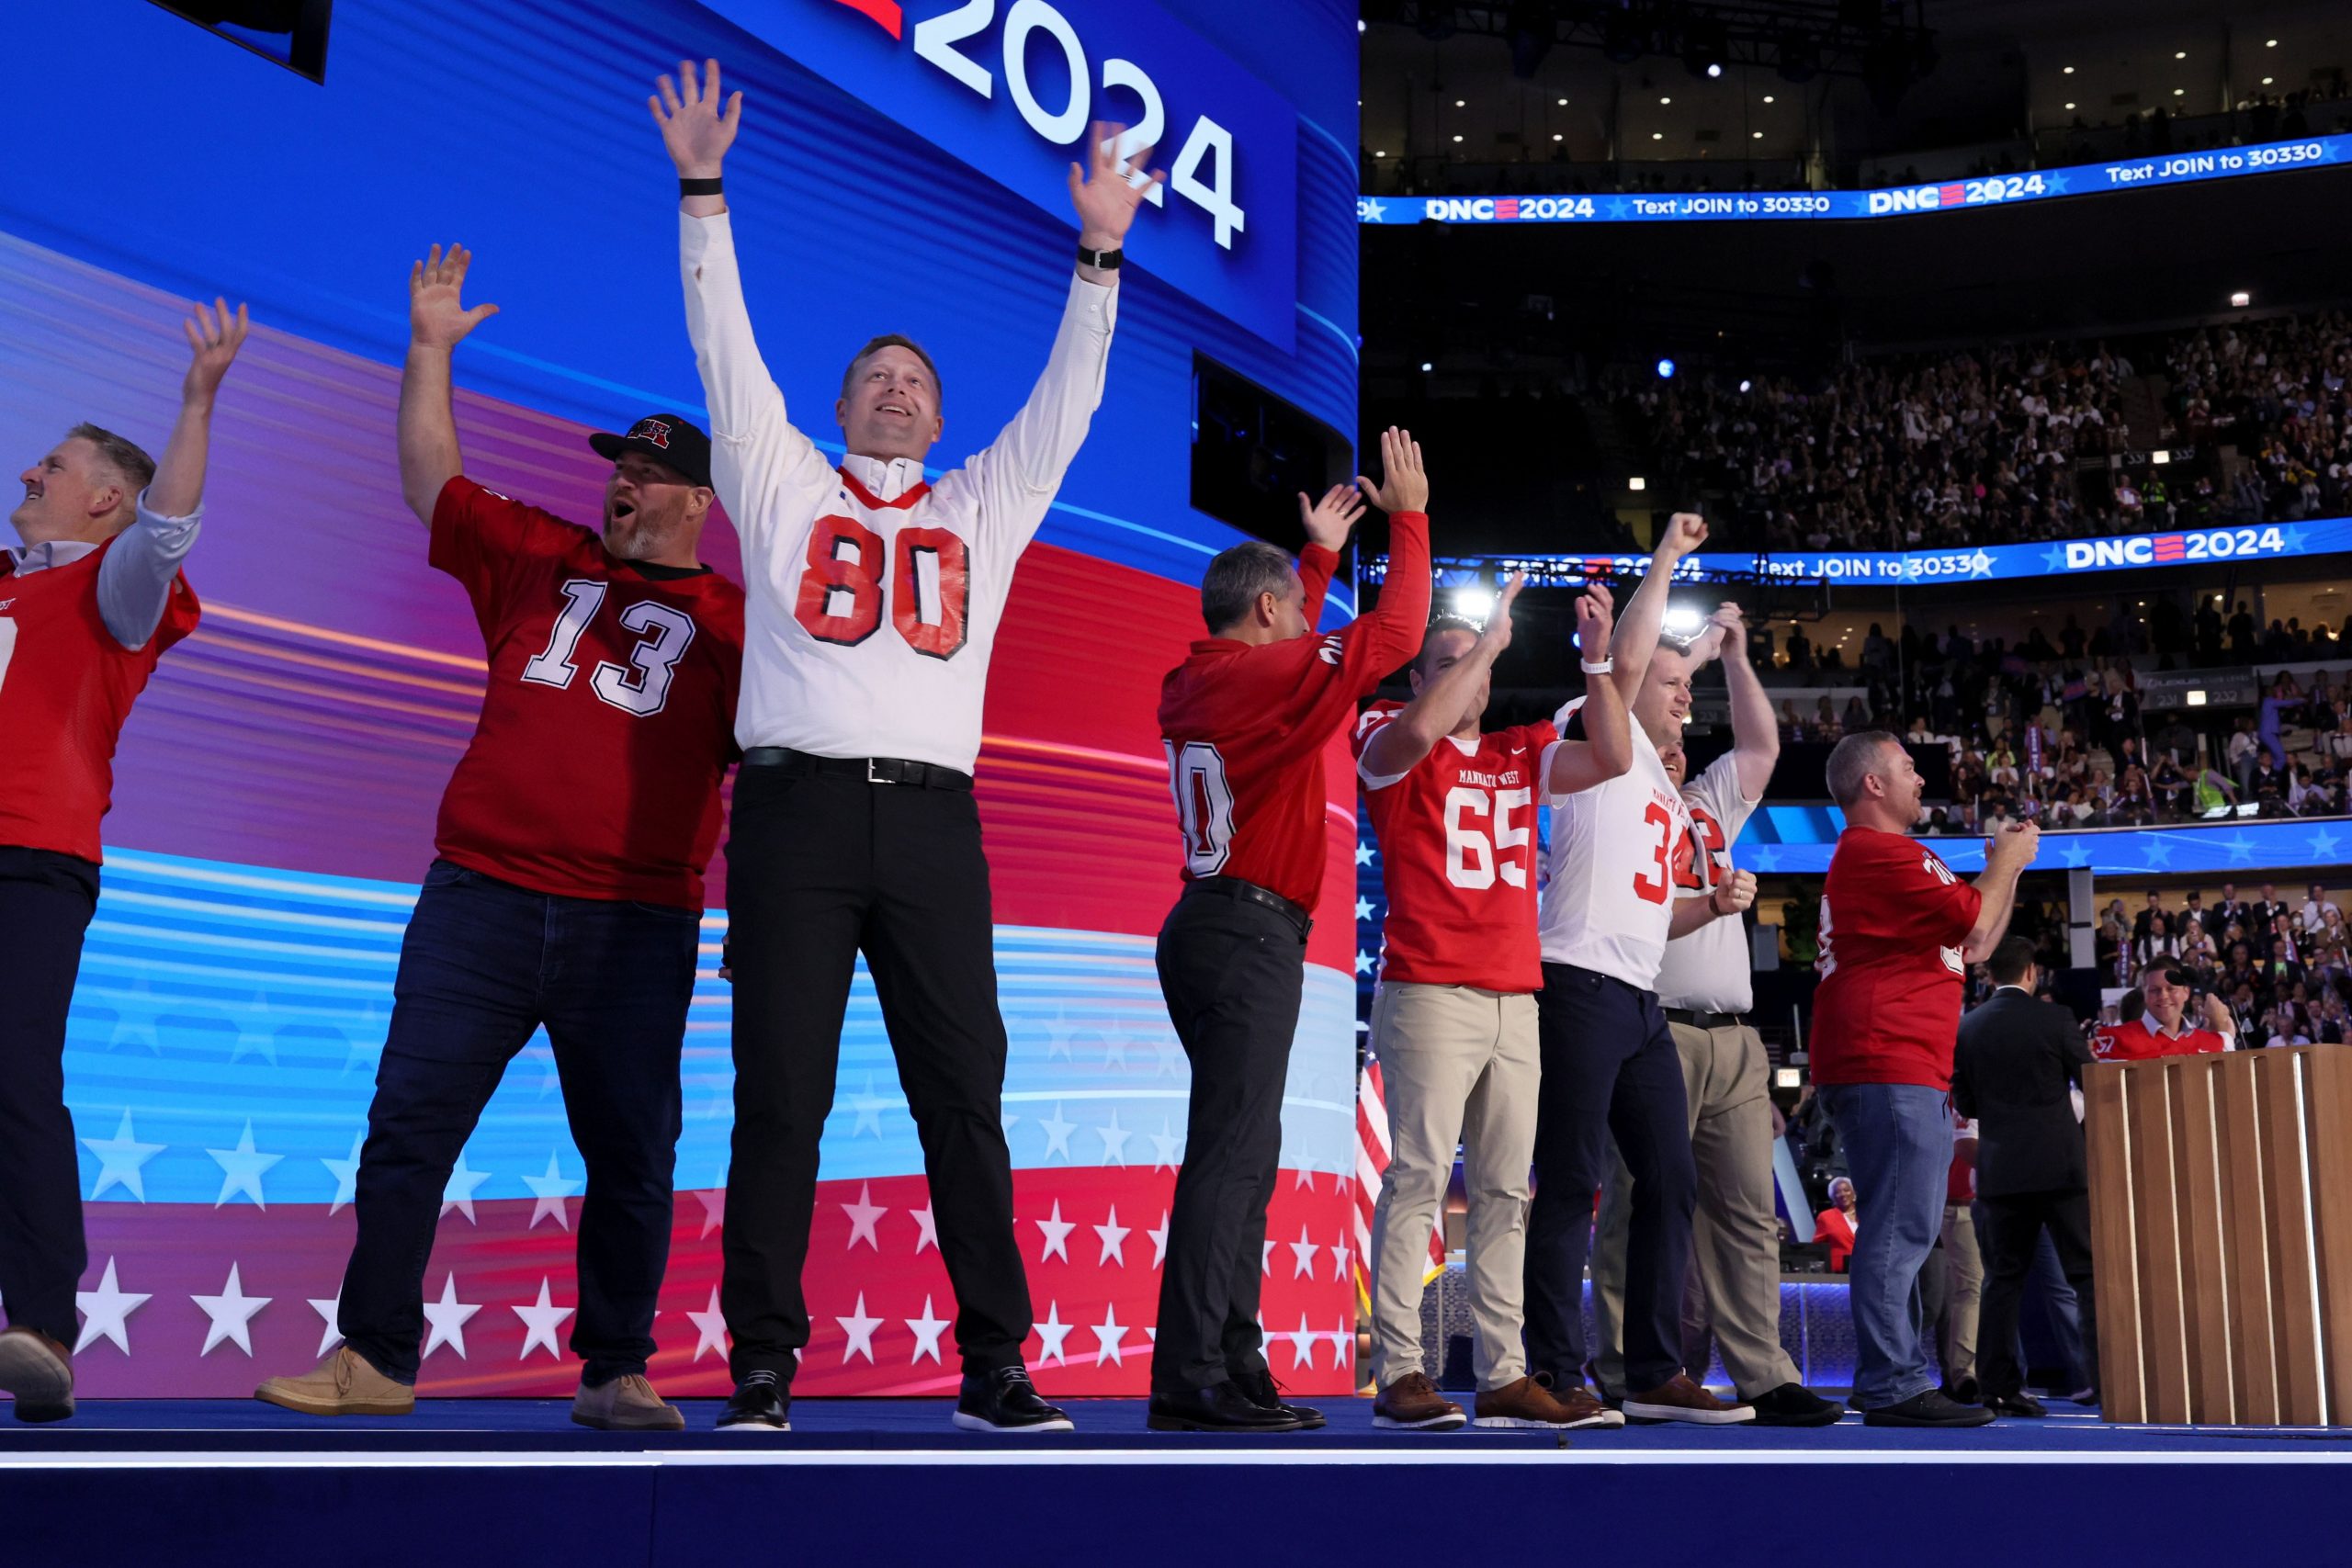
pixel 508 1482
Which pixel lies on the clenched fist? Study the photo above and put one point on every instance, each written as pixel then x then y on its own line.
pixel 1736 894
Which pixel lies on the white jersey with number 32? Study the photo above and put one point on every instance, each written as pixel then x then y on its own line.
pixel 1609 898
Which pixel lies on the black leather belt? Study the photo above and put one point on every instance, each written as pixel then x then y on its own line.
pixel 1250 893
pixel 873 770
pixel 1691 1018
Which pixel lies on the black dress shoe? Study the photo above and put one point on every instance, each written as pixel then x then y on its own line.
pixel 1793 1405
pixel 1220 1407
pixel 2015 1405
pixel 1930 1408
pixel 1266 1394
pixel 760 1404
pixel 1006 1401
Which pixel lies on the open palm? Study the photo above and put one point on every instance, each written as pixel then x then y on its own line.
pixel 696 126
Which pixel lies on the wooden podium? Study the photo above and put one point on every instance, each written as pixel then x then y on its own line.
pixel 2221 1236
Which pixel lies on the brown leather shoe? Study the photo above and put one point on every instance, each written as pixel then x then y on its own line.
pixel 1531 1403
pixel 346 1384
pixel 1412 1403
pixel 1680 1399
pixel 40 1373
pixel 627 1403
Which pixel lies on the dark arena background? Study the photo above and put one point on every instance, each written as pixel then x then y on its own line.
pixel 2004 344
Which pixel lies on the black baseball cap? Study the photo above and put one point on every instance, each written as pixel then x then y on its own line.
pixel 666 438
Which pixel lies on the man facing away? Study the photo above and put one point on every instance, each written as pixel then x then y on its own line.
pixel 873 600
pixel 1898 931
pixel 88 604
pixel 1454 1020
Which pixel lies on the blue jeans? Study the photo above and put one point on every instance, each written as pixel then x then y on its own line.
pixel 485 965
pixel 1897 1139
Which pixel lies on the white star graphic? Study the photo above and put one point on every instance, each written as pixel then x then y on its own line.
pixel 447 1317
pixel 550 1190
pixel 1164 1155
pixel 1371 211
pixel 346 1173
pixel 1343 1343
pixel 1302 1252
pixel 105 1311
pixel 863 1216
pixel 1057 1231
pixel 710 1328
pixel 459 1193
pixel 869 1108
pixel 119 1158
pixel 1115 1141
pixel 927 1330
pixel 230 1313
pixel 1004 1121
pixel 1266 1260
pixel 1058 1038
pixel 714 1208
pixel 331 1312
pixel 1114 1049
pixel 860 1329
pixel 1171 1053
pixel 1158 1234
pixel 241 1168
pixel 550 1075
pixel 1050 1335
pixel 1339 1260
pixel 1057 1133
pixel 1301 1345
pixel 1364 909
pixel 1109 1338
pixel 1363 853
pixel 1305 1176
pixel 1114 1239
pixel 1363 961
pixel 926 1229
pixel 540 1321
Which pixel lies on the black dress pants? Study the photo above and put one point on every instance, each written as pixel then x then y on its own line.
pixel 46 901
pixel 822 867
pixel 1233 973
pixel 2012 1228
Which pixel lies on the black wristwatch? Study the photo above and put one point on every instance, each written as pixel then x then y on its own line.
pixel 1107 260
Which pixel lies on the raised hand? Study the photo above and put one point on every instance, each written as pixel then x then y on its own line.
pixel 1405 484
pixel 1734 622
pixel 213 338
pixel 1685 532
pixel 692 127
pixel 1496 637
pixel 1734 893
pixel 1328 522
pixel 1106 200
pixel 436 317
pixel 1596 622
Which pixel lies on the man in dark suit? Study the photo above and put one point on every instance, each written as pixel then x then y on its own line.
pixel 2015 1063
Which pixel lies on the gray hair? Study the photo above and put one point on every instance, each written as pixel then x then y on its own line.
pixel 123 456
pixel 1853 759
pixel 1235 578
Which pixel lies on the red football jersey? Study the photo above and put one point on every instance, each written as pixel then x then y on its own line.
pixel 1893 918
pixel 66 685
pixel 1457 853
pixel 1245 727
pixel 609 717
pixel 2135 1041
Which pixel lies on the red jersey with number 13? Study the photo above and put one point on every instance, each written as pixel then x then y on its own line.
pixel 609 717
pixel 1457 855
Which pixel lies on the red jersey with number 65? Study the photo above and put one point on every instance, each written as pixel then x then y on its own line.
pixel 1457 855
pixel 609 717
pixel 1894 920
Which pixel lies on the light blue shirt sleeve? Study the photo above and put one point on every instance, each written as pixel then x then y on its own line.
pixel 135 580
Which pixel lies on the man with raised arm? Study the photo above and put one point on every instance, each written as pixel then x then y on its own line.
pixel 873 602
pixel 1245 719
pixel 1898 932
pixel 1454 1020
pixel 1703 983
pixel 1609 1064
pixel 567 885
pixel 88 604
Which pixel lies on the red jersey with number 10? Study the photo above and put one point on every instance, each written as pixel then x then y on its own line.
pixel 609 717
pixel 1457 853
pixel 66 686
pixel 1894 920
pixel 1245 726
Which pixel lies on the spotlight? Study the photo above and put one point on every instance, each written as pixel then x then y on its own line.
pixel 1666 369
pixel 1473 604
pixel 2241 300
pixel 1742 385
pixel 1681 620
pixel 1713 70
pixel 1427 367
pixel 1705 44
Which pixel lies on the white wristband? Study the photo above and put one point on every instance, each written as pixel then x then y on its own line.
pixel 1603 667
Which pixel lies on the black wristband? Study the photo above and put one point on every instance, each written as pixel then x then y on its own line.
pixel 700 187
pixel 1108 260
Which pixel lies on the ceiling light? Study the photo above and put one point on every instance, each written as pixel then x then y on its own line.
pixel 1457 138
pixel 1637 482
pixel 1663 101
pixel 1755 136
pixel 1555 136
pixel 2176 92
pixel 1472 603
pixel 1562 102
pixel 2180 54
pixel 1380 154
pixel 2070 105
pixel 1682 620
pixel 1460 104
pixel 1714 69
pixel 1358 24
pixel 2241 300
pixel 2069 71
pixel 1742 385
pixel 2270 43
pixel 2268 80
pixel 1427 367
pixel 1657 136
pixel 1666 369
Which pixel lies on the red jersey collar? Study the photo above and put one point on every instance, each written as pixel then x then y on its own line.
pixel 877 476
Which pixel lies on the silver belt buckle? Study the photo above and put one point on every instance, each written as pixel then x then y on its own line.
pixel 874 778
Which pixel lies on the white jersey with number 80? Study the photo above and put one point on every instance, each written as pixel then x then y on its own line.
pixel 1608 893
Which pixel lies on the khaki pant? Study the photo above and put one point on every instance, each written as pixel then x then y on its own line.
pixel 1966 1264
pixel 1736 1235
pixel 1459 1066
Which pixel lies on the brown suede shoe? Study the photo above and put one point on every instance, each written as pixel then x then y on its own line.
pixel 1412 1403
pixel 1530 1402
pixel 343 1384
pixel 1680 1399
pixel 40 1373
pixel 627 1403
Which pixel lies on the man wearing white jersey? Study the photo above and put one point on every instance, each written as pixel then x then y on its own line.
pixel 1705 986
pixel 872 604
pixel 1609 1066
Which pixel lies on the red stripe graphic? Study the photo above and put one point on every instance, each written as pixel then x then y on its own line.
pixel 2171 546
pixel 884 14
